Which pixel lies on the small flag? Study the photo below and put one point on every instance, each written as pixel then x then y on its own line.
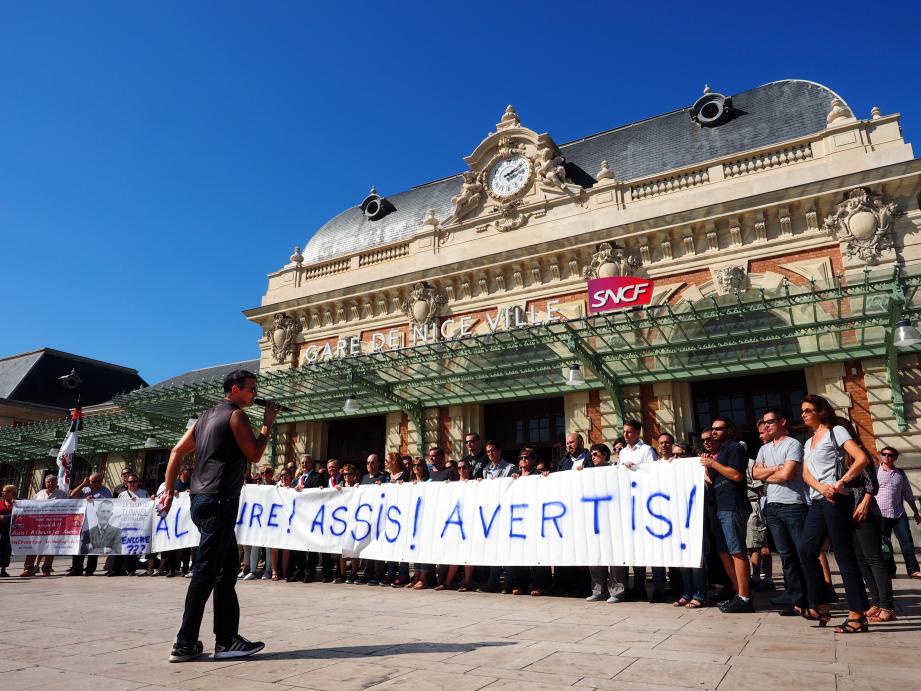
pixel 69 449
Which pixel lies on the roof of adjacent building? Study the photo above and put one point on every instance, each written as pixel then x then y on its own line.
pixel 32 377
pixel 773 113
pixel 207 374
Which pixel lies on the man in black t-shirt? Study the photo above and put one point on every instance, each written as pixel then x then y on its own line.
pixel 476 455
pixel 224 446
pixel 727 463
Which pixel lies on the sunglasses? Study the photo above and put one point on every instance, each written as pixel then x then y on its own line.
pixel 463 466
pixel 418 465
pixel 889 455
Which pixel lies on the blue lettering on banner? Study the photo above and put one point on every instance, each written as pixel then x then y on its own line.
pixel 513 519
pixel 632 508
pixel 271 522
pixel 176 532
pixel 242 513
pixel 687 520
pixel 597 502
pixel 416 518
pixel 254 516
pixel 359 519
pixel 664 519
pixel 293 511
pixel 459 521
pixel 319 519
pixel 487 527
pixel 556 519
pixel 334 514
pixel 393 521
pixel 163 527
pixel 377 523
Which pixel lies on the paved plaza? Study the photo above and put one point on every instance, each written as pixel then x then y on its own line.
pixel 103 633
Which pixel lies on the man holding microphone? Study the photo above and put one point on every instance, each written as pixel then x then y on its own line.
pixel 224 446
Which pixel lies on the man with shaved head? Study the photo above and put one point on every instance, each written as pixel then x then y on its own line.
pixel 91 488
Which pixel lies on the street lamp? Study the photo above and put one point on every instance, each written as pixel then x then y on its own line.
pixel 351 404
pixel 905 334
pixel 575 377
pixel 150 443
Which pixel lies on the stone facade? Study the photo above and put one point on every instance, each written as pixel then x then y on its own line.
pixel 749 220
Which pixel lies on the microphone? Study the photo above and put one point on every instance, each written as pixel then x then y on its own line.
pixel 262 402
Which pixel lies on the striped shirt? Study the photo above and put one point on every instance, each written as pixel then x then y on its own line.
pixel 893 490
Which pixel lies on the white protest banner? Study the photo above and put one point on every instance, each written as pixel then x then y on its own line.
pixel 117 526
pixel 175 530
pixel 49 526
pixel 651 515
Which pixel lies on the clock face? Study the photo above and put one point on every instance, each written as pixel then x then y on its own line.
pixel 509 176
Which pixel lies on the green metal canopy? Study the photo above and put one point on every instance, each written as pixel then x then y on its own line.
pixel 785 327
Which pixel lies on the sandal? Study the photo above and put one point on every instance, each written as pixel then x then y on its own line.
pixel 853 626
pixel 872 612
pixel 419 585
pixel 537 592
pixel 916 574
pixel 462 588
pixel 821 616
pixel 680 602
pixel 441 586
pixel 883 615
pixel 694 604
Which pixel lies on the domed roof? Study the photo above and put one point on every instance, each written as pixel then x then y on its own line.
pixel 768 114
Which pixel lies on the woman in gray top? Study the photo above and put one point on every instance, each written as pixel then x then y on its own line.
pixel 831 513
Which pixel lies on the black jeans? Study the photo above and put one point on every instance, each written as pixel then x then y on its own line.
pixel 868 546
pixel 824 519
pixel 215 569
pixel 76 565
pixel 903 534
pixel 785 521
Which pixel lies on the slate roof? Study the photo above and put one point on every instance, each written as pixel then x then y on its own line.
pixel 206 374
pixel 768 114
pixel 32 378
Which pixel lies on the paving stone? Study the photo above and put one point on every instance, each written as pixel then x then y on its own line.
pixel 745 679
pixel 701 675
pixel 574 663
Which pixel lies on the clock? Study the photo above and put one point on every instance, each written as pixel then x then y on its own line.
pixel 509 176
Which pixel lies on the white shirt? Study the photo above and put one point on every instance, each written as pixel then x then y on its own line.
pixel 640 453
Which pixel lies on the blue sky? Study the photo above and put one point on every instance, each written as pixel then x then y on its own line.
pixel 158 160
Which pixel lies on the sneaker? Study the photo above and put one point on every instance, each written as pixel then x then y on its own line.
pixel 373 582
pixel 239 575
pixel 350 581
pixel 249 577
pixel 595 597
pixel 738 605
pixel 187 575
pixel 238 647
pixel 182 651
pixel 267 575
pixel 614 599
pixel 336 580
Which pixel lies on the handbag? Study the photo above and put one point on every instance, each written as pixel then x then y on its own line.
pixel 840 467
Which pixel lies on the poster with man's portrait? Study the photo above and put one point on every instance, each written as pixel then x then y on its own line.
pixel 116 526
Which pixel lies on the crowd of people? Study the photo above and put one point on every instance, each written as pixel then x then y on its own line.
pixel 795 499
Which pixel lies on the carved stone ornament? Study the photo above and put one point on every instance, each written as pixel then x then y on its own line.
pixel 729 279
pixel 863 222
pixel 282 334
pixel 510 217
pixel 550 168
pixel 605 173
pixel 509 119
pixel 610 261
pixel 471 195
pixel 839 112
pixel 422 305
pixel 296 256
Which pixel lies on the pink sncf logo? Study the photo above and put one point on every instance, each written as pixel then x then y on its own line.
pixel 618 292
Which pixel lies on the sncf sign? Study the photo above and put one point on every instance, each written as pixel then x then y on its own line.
pixel 618 292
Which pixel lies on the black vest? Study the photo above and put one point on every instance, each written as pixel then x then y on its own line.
pixel 220 466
